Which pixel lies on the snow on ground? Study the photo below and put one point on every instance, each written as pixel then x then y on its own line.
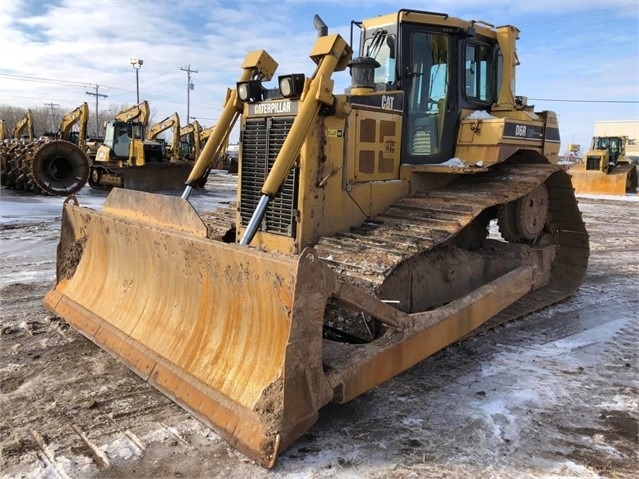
pixel 554 395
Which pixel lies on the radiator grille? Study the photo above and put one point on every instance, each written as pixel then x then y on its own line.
pixel 593 162
pixel 262 140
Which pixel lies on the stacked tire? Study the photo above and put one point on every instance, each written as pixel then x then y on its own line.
pixel 44 166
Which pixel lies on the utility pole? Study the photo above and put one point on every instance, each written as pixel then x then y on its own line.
pixel 52 106
pixel 96 95
pixel 189 87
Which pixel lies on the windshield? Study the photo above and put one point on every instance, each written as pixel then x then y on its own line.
pixel 109 135
pixel 381 47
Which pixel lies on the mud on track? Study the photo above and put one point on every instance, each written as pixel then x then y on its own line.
pixel 553 395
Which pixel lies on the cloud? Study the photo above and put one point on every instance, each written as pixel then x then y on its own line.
pixel 62 49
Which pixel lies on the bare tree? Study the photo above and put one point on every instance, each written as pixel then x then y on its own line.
pixel 45 116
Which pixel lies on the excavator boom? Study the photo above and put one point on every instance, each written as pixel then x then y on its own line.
pixel 79 116
pixel 139 113
pixel 170 122
pixel 26 122
pixel 173 123
pixel 4 132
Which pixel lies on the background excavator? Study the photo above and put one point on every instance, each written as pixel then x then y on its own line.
pixel 359 243
pixel 222 160
pixel 173 152
pixel 605 169
pixel 190 143
pixel 127 159
pixel 4 131
pixel 79 117
pixel 24 123
pixel 54 164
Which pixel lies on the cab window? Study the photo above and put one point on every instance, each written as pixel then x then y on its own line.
pixel 429 80
pixel 381 47
pixel 478 73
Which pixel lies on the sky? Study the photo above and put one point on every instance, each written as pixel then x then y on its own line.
pixel 579 58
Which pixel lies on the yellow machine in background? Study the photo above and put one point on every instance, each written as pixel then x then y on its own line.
pixel 359 244
pixel 4 132
pixel 79 117
pixel 54 164
pixel 605 169
pixel 190 143
pixel 222 161
pixel 172 122
pixel 127 159
pixel 24 123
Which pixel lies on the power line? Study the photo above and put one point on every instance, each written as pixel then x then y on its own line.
pixel 570 19
pixel 165 98
pixel 40 80
pixel 627 102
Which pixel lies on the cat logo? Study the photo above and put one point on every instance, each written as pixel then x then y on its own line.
pixel 387 102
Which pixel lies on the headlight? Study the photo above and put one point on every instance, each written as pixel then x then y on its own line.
pixel 243 91
pixel 291 85
pixel 250 91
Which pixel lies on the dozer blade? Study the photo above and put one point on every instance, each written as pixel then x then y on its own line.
pixel 157 176
pixel 207 323
pixel 621 180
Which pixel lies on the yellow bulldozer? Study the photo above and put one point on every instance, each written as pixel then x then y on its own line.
pixel 359 243
pixel 128 159
pixel 605 169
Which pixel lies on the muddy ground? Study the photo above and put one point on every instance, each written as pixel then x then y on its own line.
pixel 555 394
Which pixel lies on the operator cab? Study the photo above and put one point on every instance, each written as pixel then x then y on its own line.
pixel 118 136
pixel 614 145
pixel 417 54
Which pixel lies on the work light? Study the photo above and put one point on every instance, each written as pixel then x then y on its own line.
pixel 250 91
pixel 291 85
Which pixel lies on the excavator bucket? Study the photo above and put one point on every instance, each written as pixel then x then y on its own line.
pixel 208 323
pixel 621 180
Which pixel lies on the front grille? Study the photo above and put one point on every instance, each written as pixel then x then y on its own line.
pixel 262 140
pixel 593 163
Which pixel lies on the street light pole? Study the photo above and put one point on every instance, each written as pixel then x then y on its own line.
pixel 137 64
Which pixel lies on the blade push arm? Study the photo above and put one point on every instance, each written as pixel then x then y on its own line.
pixel 331 53
pixel 257 64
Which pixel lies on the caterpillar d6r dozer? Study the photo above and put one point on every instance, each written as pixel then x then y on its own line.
pixel 359 244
